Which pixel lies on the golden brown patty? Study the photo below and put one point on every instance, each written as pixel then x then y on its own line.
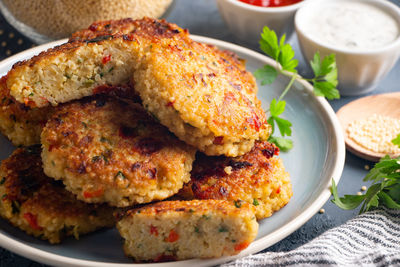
pixel 203 95
pixel 257 177
pixel 73 70
pixel 106 150
pixel 178 230
pixel 180 81
pixel 20 123
pixel 23 124
pixel 41 206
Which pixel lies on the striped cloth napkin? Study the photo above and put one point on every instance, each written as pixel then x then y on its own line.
pixel 370 239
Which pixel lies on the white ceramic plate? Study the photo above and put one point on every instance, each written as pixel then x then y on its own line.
pixel 317 157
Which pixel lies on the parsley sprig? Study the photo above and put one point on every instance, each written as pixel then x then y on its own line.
pixel 384 190
pixel 396 141
pixel 324 80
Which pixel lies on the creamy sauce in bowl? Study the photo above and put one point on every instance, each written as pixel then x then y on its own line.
pixel 352 25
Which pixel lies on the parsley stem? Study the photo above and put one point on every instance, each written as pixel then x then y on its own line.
pixel 287 87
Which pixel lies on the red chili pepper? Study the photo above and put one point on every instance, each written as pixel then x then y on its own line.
pixel 153 230
pixel 242 246
pixel 254 122
pixel 29 103
pixel 173 236
pixel 53 146
pixel 32 220
pixel 97 193
pixel 170 104
pixel 219 140
pixel 106 59
pixel 93 27
pixel 278 190
pixel 276 151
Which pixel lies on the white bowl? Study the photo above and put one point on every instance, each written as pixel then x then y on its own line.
pixel 247 21
pixel 359 70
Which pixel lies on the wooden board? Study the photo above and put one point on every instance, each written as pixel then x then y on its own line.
pixel 383 104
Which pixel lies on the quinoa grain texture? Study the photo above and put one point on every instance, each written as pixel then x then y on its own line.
pixel 203 95
pixel 258 178
pixel 178 230
pixel 42 207
pixel 108 150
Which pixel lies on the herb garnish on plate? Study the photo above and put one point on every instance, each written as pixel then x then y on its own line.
pixel 384 190
pixel 324 81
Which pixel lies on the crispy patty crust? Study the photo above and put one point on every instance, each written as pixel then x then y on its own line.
pixel 202 94
pixel 23 124
pixel 107 150
pixel 178 230
pixel 180 82
pixel 73 70
pixel 257 177
pixel 41 206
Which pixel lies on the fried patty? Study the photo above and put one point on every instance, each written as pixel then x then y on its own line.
pixel 107 150
pixel 170 74
pixel 23 124
pixel 20 123
pixel 257 178
pixel 178 230
pixel 202 94
pixel 73 70
pixel 41 206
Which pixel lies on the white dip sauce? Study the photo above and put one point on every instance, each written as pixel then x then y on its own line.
pixel 352 25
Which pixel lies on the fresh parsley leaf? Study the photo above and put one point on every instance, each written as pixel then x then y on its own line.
pixel 316 64
pixel 396 141
pixel 384 190
pixel 286 56
pixel 281 52
pixel 348 202
pixel 325 89
pixel 371 198
pixel 284 126
pixel 269 43
pixel 266 74
pixel 276 108
pixel 388 201
pixel 394 192
pixel 384 168
pixel 325 80
pixel 283 143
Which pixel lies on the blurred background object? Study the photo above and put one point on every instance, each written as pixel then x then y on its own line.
pixel 246 20
pixel 363 34
pixel 46 20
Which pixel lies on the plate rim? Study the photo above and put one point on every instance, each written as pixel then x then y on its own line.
pixel 39 255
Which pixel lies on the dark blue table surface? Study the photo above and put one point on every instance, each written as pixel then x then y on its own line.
pixel 203 18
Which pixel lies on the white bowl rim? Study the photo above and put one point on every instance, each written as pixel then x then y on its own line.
pixel 369 51
pixel 261 9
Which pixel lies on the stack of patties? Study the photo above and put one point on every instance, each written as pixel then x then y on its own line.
pixel 120 111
